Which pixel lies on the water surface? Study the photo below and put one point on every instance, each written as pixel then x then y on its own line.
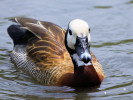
pixel 111 24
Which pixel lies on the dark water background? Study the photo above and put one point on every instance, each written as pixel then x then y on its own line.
pixel 111 23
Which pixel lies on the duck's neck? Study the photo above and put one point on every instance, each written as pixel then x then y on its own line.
pixel 82 77
pixel 83 74
pixel 74 56
pixel 86 76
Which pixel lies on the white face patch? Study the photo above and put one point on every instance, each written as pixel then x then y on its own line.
pixel 71 41
pixel 78 61
pixel 89 38
pixel 78 28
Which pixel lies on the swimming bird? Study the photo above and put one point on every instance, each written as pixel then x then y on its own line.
pixel 55 56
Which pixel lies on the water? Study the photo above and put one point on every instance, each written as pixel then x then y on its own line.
pixel 111 25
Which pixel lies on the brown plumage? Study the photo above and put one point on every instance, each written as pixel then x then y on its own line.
pixel 50 58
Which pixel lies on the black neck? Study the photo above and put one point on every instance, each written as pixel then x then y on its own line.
pixel 71 51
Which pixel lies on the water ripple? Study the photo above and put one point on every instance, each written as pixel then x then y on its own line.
pixel 113 43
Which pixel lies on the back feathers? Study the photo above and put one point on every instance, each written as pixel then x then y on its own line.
pixel 44 41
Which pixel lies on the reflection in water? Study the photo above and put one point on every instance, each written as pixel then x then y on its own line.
pixel 3 55
pixel 113 43
pixel 130 2
pixel 103 7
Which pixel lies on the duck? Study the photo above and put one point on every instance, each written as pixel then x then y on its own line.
pixel 55 56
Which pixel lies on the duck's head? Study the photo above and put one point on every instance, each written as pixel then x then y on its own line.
pixel 78 42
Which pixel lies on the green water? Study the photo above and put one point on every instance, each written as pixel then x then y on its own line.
pixel 111 23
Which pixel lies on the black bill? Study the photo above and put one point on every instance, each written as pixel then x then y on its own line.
pixel 82 49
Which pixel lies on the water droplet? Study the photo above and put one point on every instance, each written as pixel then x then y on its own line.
pixel 105 92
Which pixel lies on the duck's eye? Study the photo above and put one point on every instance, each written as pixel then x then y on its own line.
pixel 89 30
pixel 70 32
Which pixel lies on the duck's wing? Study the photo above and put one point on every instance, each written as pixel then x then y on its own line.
pixel 46 48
